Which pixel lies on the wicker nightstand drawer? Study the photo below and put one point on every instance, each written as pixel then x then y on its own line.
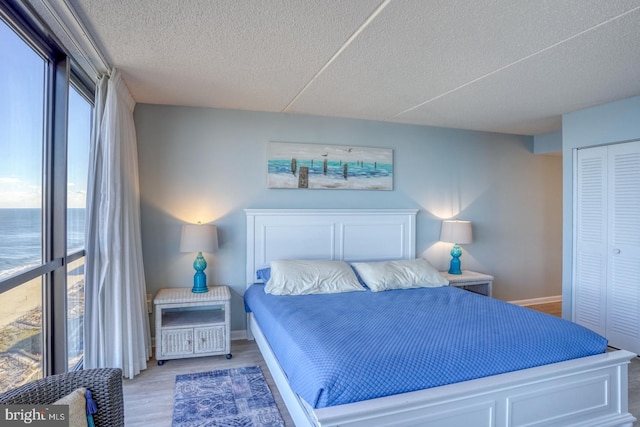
pixel 209 340
pixel 176 342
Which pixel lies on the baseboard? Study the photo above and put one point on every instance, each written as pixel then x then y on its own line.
pixel 535 301
pixel 239 335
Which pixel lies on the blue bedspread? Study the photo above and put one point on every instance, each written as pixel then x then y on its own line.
pixel 342 348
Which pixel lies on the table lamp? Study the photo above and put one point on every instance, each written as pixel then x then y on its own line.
pixel 199 238
pixel 458 233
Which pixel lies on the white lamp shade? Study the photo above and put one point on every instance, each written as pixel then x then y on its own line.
pixel 199 238
pixel 454 231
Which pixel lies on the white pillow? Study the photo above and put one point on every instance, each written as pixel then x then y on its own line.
pixel 77 407
pixel 401 274
pixel 297 277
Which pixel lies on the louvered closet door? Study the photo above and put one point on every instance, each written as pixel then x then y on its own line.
pixel 590 274
pixel 623 272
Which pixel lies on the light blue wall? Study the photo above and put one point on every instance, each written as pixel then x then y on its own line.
pixel 547 143
pixel 605 124
pixel 199 164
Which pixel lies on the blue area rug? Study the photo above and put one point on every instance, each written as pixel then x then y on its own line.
pixel 229 397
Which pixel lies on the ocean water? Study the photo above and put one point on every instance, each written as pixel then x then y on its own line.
pixel 21 237
pixel 335 169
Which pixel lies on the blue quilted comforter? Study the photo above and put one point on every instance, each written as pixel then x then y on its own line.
pixel 347 347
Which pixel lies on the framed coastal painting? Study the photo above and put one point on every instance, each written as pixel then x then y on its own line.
pixel 320 166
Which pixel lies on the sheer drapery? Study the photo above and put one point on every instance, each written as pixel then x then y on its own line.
pixel 116 332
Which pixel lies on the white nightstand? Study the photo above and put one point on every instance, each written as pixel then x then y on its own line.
pixel 471 281
pixel 192 325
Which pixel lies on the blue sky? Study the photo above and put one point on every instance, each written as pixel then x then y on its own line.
pixel 22 76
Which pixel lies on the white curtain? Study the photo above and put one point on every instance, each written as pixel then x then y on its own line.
pixel 116 330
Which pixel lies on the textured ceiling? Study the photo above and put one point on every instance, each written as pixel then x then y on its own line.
pixel 512 66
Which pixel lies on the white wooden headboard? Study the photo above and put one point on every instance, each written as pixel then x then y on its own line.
pixel 331 234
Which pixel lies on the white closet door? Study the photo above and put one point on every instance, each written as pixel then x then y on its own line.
pixel 623 275
pixel 589 303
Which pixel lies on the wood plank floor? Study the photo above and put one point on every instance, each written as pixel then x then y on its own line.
pixel 148 398
pixel 553 308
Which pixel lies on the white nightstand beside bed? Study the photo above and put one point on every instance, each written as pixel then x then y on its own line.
pixel 471 281
pixel 192 324
pixel 587 391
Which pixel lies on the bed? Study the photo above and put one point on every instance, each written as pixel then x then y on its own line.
pixel 583 391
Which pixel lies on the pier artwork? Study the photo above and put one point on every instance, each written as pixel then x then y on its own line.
pixel 318 166
pixel 303 179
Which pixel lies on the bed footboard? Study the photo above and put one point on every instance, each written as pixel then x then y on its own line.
pixel 590 391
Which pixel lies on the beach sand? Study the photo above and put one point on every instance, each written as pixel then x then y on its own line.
pixel 21 330
pixel 19 301
pixel 327 182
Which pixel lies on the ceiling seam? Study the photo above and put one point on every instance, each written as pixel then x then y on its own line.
pixel 435 98
pixel 342 48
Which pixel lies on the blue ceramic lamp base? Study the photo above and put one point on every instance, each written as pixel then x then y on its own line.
pixel 199 279
pixel 454 266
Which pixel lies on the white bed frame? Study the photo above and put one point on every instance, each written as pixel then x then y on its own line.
pixel 590 391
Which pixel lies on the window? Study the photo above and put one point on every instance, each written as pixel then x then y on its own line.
pixel 45 125
pixel 22 83
pixel 78 137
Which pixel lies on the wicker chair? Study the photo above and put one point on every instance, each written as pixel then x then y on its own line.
pixel 105 385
